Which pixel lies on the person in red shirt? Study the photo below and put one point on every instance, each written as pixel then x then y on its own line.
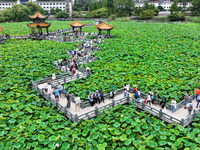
pixel 134 89
pixel 197 93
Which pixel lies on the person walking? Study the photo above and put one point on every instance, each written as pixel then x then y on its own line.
pixel 55 63
pixel 60 89
pixel 113 89
pixel 56 92
pixel 186 99
pixel 155 98
pixel 197 93
pixel 53 76
pixel 198 101
pixel 63 91
pixel 90 97
pixel 101 96
pixel 111 95
pixel 68 102
pixel 163 101
pixel 173 105
pixel 149 99
pixel 134 89
pixel 189 107
pixel 49 90
pixel 127 87
pixel 77 103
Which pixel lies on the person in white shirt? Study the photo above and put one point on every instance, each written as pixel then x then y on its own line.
pixel 77 103
pixel 139 93
pixel 149 99
pixel 127 87
pixel 53 76
pixel 173 105
pixel 87 68
pixel 151 93
pixel 49 90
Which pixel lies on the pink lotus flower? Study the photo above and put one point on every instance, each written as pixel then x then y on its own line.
pixel 122 115
pixel 56 145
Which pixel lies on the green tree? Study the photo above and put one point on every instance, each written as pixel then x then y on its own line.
pixel 123 7
pixel 57 10
pixel 5 15
pixel 147 14
pixel 161 8
pixel 174 8
pixel 52 11
pixel 196 7
pixel 20 12
pixel 34 7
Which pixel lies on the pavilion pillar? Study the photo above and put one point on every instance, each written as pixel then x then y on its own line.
pixel 80 30
pixel 99 31
pixel 73 29
pixel 47 30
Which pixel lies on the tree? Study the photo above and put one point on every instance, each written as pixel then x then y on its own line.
pixel 161 8
pixel 196 7
pixel 52 11
pixel 174 8
pixel 57 10
pixel 20 12
pixel 147 14
pixel 123 7
pixel 34 7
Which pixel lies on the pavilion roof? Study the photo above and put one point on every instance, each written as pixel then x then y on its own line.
pixel 38 15
pixel 1 28
pixel 104 26
pixel 39 24
pixel 76 24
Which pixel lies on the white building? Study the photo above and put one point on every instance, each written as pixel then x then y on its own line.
pixel 46 5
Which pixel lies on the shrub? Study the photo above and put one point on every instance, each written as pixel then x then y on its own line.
pixel 61 14
pixel 147 14
pixel 193 19
pixel 112 17
pixel 33 30
pixel 99 13
pixel 177 17
pixel 123 19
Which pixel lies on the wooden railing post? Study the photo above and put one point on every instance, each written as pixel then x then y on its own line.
pixel 76 118
pixel 128 99
pixel 64 79
pixel 49 97
pixel 182 122
pixel 82 104
pixel 96 111
pixel 143 106
pixel 113 103
pixel 160 113
pixel 77 75
pixel 194 114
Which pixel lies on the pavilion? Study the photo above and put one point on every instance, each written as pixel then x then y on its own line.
pixel 1 37
pixel 39 22
pixel 104 26
pixel 77 24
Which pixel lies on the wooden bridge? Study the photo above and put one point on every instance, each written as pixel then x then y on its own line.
pixel 86 112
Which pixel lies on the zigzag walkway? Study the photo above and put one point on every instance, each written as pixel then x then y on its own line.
pixel 86 111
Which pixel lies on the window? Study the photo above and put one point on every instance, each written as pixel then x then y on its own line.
pixel 50 4
pixel 63 3
pixel 56 3
pixel 60 7
pixel 53 7
pixel 60 3
pixel 44 7
pixel 53 3
pixel 47 7
pixel 63 7
pixel 50 7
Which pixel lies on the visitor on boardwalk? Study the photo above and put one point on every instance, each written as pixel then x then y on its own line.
pixel 173 105
pixel 155 99
pixel 163 101
pixel 56 93
pixel 111 95
pixel 49 90
pixel 198 101
pixel 149 99
pixel 59 88
pixel 134 89
pixel 90 97
pixel 55 63
pixel 77 103
pixel 65 62
pixel 60 62
pixel 87 68
pixel 68 102
pixel 197 93
pixel 98 96
pixel 125 90
pixel 139 92
pixel 151 93
pixel 113 89
pixel 93 58
pixel 86 57
pixel 76 65
pixel 53 76
pixel 189 107
pixel 63 91
pixel 127 87
pixel 186 99
pixel 101 96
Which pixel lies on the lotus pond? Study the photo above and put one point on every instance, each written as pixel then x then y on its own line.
pixel 139 54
